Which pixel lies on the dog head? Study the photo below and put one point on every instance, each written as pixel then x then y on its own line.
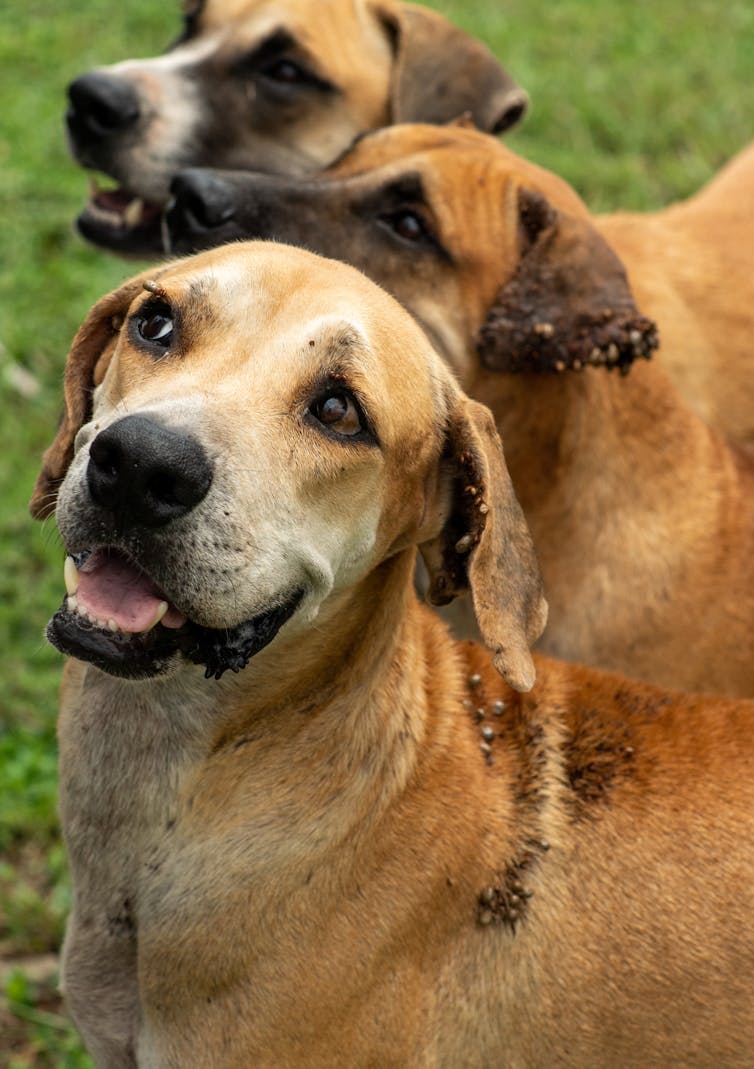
pixel 239 451
pixel 280 86
pixel 496 257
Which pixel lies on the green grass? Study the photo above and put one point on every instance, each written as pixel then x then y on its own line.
pixel 636 104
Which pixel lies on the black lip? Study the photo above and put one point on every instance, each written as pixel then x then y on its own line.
pixel 127 656
pixel 142 240
pixel 151 654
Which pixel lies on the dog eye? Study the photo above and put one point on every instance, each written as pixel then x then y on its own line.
pixel 156 326
pixel 338 412
pixel 407 225
pixel 284 71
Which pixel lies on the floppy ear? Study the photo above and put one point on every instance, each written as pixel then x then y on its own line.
pixel 87 363
pixel 569 303
pixel 441 72
pixel 484 545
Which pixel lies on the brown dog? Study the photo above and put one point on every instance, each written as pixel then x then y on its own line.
pixel 365 849
pixel 643 518
pixel 281 87
pixel 689 265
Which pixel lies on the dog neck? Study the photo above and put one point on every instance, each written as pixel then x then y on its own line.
pixel 564 433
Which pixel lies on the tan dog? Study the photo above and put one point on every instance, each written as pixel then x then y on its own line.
pixel 689 265
pixel 281 86
pixel 642 517
pixel 365 849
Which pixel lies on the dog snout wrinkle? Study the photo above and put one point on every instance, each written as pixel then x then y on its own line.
pixel 100 105
pixel 146 474
pixel 202 200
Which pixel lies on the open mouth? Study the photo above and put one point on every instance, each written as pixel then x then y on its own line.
pixel 116 617
pixel 121 220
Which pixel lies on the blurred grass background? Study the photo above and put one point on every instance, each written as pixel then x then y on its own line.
pixel 635 103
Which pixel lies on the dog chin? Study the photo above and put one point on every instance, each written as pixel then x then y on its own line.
pixel 156 652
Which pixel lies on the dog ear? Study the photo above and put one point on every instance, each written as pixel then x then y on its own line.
pixel 484 544
pixel 568 304
pixel 441 72
pixel 87 363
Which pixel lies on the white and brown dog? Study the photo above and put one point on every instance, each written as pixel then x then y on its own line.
pixel 364 848
pixel 281 86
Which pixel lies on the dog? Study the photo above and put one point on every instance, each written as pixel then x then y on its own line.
pixel 642 517
pixel 689 264
pixel 367 847
pixel 280 87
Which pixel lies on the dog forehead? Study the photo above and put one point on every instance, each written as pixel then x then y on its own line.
pixel 455 157
pixel 336 20
pixel 221 12
pixel 278 299
pixel 259 283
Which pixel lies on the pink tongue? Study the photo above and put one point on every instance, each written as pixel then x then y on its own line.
pixel 112 589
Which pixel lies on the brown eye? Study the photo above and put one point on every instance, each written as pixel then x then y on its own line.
pixel 338 412
pixel 285 71
pixel 156 326
pixel 407 225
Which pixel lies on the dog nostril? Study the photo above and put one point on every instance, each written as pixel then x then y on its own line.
pixel 102 104
pixel 173 490
pixel 106 456
pixel 161 488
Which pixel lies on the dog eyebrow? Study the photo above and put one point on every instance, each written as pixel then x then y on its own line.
pixel 278 43
pixel 346 353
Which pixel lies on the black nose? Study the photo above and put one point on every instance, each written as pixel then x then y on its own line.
pixel 201 201
pixel 101 105
pixel 146 474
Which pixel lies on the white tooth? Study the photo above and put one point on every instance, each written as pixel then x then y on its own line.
pixel 71 576
pixel 111 625
pixel 72 604
pixel 160 611
pixel 134 211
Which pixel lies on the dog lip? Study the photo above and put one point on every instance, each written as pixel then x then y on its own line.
pixel 151 653
pixel 123 221
pixel 119 654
